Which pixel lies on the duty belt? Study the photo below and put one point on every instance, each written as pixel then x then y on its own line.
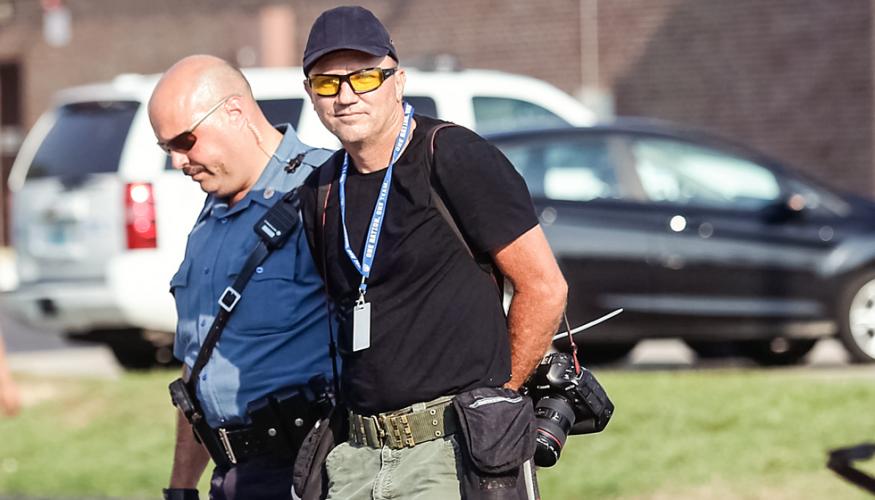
pixel 244 443
pixel 404 428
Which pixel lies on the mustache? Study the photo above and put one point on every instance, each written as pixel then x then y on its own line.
pixel 191 170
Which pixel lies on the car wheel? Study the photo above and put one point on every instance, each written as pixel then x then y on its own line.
pixel 857 318
pixel 598 354
pixel 778 351
pixel 708 349
pixel 132 349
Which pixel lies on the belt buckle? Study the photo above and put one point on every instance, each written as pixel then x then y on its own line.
pixel 229 299
pixel 226 444
pixel 381 431
pixel 365 423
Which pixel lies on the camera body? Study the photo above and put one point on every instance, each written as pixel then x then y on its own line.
pixel 566 402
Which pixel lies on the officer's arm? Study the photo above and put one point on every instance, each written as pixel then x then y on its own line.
pixel 538 301
pixel 189 458
pixel 10 400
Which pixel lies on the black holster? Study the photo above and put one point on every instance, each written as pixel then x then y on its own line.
pixel 497 439
pixel 188 405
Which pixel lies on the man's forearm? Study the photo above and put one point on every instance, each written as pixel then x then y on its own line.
pixel 189 458
pixel 538 300
pixel 532 321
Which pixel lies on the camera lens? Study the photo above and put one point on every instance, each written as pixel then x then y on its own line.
pixel 554 417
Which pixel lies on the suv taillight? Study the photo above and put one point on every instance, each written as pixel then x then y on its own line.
pixel 140 216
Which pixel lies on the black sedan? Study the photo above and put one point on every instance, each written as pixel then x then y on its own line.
pixel 698 238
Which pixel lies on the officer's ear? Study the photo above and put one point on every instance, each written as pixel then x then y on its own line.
pixel 234 108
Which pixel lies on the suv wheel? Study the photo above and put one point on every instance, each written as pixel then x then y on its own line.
pixel 140 354
pixel 857 318
pixel 133 348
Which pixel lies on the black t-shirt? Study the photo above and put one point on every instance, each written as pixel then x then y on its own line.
pixel 437 324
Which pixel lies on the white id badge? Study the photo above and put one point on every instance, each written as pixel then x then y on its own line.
pixel 361 326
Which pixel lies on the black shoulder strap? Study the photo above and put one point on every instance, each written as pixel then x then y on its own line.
pixel 273 230
pixel 326 177
pixel 482 259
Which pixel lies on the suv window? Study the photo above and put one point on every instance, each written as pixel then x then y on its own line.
pixel 282 110
pixel 495 114
pixel 422 105
pixel 87 138
pixel 572 168
pixel 677 172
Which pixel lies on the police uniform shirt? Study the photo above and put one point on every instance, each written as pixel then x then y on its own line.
pixel 437 324
pixel 277 335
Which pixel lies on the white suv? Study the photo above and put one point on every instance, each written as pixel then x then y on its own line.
pixel 100 219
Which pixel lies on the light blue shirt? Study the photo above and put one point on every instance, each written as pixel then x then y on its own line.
pixel 277 336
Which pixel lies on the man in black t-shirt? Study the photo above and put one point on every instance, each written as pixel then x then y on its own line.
pixel 419 320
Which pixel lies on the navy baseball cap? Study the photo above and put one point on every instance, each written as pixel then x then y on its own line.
pixel 347 28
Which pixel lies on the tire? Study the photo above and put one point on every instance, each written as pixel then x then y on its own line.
pixel 132 349
pixel 601 354
pixel 142 355
pixel 857 318
pixel 766 352
pixel 778 351
pixel 707 349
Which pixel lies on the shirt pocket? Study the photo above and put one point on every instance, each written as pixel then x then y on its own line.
pixel 268 302
pixel 184 298
pixel 180 279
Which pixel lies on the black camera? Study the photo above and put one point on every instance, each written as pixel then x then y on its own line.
pixel 567 401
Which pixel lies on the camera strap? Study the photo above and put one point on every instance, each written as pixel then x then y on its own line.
pixel 573 343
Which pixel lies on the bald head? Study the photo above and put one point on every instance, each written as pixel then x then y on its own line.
pixel 197 82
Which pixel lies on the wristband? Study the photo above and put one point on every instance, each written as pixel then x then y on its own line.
pixel 180 494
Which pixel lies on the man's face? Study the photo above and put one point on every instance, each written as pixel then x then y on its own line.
pixel 355 118
pixel 206 161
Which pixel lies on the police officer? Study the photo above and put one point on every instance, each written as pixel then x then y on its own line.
pixel 275 342
pixel 421 323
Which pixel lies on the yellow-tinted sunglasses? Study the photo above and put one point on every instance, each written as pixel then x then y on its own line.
pixel 361 81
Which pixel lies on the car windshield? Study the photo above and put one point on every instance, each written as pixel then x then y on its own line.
pixel 87 138
pixel 497 114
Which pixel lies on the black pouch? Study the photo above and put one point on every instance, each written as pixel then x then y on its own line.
pixel 309 480
pixel 497 437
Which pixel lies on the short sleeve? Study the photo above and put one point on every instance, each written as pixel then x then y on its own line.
pixel 488 198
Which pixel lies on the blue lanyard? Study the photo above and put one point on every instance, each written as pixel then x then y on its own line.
pixel 364 267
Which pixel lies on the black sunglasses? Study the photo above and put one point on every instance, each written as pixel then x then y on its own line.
pixel 184 141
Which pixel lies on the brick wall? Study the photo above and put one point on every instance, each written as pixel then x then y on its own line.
pixel 114 36
pixel 791 77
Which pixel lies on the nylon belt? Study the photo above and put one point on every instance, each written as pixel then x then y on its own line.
pixel 405 428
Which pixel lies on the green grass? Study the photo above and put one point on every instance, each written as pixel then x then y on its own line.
pixel 718 434
pixel 687 434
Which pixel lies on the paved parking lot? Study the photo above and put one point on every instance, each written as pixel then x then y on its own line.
pixel 45 353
